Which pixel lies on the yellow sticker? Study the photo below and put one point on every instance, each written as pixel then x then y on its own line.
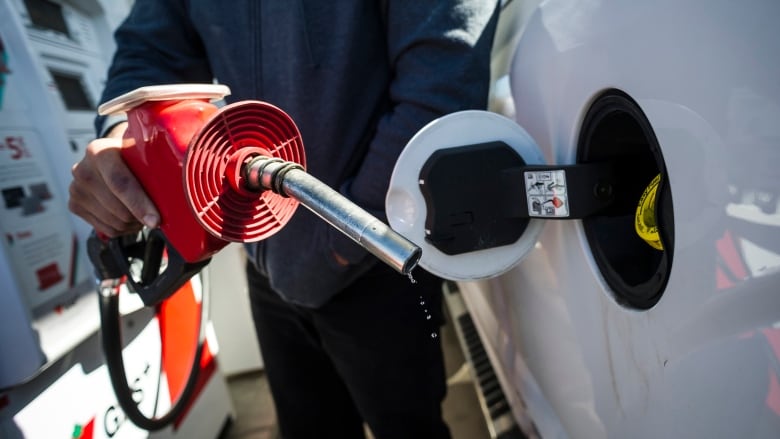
pixel 644 219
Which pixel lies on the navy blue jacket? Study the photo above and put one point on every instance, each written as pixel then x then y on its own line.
pixel 358 77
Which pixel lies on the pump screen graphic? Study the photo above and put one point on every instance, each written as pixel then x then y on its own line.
pixel 13 197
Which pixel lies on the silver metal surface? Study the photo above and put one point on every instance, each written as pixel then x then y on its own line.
pixel 365 229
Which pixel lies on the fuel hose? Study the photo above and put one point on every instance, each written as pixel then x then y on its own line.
pixel 111 339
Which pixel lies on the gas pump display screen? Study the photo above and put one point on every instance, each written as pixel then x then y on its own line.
pixel 72 91
pixel 45 14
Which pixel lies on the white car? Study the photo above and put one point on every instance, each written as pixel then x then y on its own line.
pixel 657 315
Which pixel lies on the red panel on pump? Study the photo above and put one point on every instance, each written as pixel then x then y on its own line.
pixel 214 171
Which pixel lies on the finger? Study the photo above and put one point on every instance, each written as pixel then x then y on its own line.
pixel 91 210
pixel 126 188
pixel 116 186
pixel 107 229
pixel 118 130
pixel 88 191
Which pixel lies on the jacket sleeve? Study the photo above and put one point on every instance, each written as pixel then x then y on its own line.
pixel 156 44
pixel 440 55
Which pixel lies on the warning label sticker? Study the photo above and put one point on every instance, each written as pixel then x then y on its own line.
pixel 546 194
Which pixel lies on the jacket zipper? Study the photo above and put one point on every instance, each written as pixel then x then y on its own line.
pixel 257 45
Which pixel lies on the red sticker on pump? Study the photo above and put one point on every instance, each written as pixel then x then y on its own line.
pixel 48 276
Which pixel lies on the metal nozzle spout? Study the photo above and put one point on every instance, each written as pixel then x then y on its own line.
pixel 289 179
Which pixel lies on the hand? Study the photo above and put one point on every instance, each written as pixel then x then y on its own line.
pixel 106 194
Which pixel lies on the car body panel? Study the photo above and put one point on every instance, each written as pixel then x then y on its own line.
pixel 703 362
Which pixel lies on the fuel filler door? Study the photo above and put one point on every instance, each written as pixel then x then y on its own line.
pixel 473 191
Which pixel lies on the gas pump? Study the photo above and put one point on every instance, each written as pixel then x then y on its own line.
pixel 53 377
pixel 52 60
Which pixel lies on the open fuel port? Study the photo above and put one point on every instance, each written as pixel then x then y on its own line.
pixel 632 241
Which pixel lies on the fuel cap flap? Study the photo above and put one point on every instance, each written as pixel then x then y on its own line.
pixel 477 142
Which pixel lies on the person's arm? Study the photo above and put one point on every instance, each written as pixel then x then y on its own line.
pixel 440 55
pixel 156 44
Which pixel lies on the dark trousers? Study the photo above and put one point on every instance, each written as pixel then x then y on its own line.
pixel 370 354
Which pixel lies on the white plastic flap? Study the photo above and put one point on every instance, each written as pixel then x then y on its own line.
pixel 164 92
pixel 405 204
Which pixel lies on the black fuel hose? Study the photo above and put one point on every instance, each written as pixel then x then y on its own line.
pixel 111 340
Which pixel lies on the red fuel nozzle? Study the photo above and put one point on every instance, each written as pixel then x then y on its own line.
pixel 198 189
pixel 233 174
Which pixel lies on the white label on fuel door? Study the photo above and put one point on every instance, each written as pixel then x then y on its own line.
pixel 546 193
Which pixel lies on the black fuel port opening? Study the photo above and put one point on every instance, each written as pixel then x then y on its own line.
pixel 636 270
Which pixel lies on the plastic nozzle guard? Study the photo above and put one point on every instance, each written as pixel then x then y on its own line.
pixel 217 155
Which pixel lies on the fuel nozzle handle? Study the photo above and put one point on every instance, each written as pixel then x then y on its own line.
pixel 289 179
pixel 112 259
